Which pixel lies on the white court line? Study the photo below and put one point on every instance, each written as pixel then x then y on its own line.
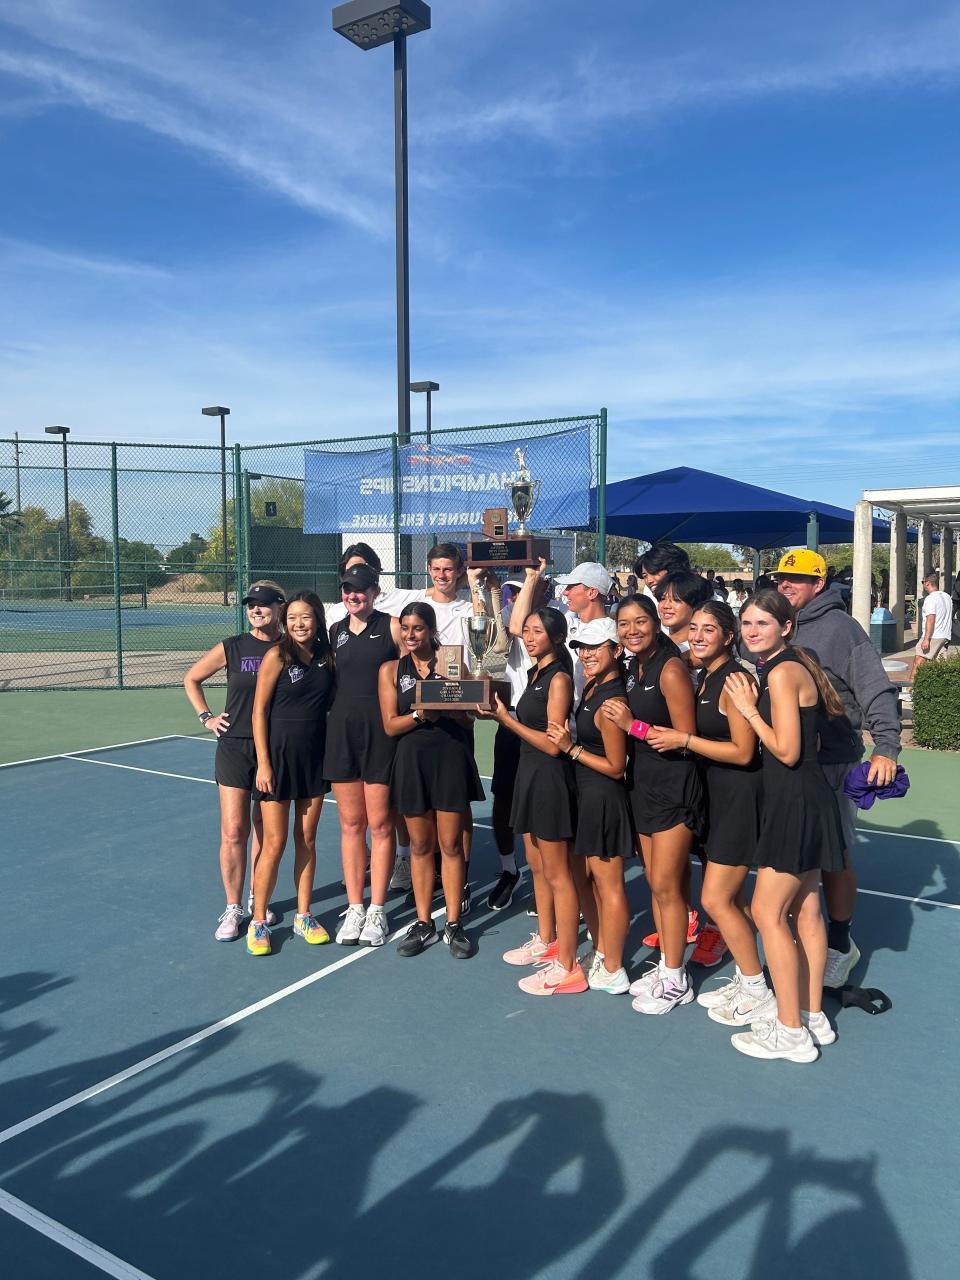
pixel 106 1262
pixel 924 902
pixel 112 764
pixel 110 746
pixel 198 1037
pixel 905 835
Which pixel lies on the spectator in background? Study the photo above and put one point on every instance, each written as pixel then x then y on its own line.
pixel 936 623
pixel 843 649
pixel 738 595
pixel 654 565
pixel 720 589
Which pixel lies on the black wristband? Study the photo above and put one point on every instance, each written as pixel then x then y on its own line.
pixel 204 716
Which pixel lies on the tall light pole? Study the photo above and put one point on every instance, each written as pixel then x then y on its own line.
pixel 369 24
pixel 65 575
pixel 429 388
pixel 220 411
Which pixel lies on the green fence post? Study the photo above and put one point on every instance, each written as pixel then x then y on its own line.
pixel 395 447
pixel 238 539
pixel 115 532
pixel 602 489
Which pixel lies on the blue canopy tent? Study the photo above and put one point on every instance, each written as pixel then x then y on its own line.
pixel 687 505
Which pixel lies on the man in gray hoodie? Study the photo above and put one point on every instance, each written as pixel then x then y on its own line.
pixel 841 646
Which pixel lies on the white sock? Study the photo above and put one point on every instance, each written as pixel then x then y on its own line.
pixel 754 981
pixel 376 906
pixel 807 1016
pixel 357 905
pixel 790 1031
pixel 679 976
pixel 508 863
pixel 403 851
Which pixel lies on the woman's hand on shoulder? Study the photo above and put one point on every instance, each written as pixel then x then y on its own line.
pixel 616 711
pixel 742 691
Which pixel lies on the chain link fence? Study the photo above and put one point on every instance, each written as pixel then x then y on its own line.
pixel 120 564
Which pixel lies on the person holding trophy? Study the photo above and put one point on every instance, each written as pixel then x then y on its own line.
pixel 433 780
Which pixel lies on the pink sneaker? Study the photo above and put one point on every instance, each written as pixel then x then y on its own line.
pixel 553 980
pixel 533 951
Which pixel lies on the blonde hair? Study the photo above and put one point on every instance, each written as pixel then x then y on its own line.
pixel 268 582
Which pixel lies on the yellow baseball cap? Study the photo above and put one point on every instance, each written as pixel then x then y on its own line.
pixel 808 564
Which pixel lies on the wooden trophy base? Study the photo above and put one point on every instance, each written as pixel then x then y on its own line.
pixel 465 694
pixel 499 553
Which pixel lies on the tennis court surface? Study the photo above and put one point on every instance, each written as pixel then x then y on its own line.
pixel 171 1107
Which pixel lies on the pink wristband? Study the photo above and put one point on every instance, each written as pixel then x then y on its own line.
pixel 639 729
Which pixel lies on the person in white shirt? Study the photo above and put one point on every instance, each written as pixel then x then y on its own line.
pixel 936 622
pixel 585 591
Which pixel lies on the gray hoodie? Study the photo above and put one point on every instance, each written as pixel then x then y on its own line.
pixel 843 649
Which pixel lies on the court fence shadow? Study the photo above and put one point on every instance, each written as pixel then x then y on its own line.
pixel 18 989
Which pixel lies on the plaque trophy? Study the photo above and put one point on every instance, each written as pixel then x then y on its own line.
pixel 498 549
pixel 458 689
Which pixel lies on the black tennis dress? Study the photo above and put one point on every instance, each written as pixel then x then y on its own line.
pixel 665 788
pixel 800 824
pixel 604 829
pixel 731 792
pixel 544 793
pixel 235 764
pixel 358 748
pixel 297 731
pixel 433 767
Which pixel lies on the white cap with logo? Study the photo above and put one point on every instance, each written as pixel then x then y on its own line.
pixel 594 633
pixel 588 574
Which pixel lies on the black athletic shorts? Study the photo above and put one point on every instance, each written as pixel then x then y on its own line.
pixel 235 764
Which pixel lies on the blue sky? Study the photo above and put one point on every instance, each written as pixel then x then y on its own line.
pixel 735 224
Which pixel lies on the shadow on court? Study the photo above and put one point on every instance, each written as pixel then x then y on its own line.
pixel 857 1238
pixel 18 989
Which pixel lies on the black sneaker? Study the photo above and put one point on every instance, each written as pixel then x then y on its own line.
pixel 461 948
pixel 418 937
pixel 502 893
pixel 466 902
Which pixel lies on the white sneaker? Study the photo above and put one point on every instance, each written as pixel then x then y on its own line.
pixel 644 983
pixel 590 961
pixel 840 965
pixel 744 1008
pixel 770 1039
pixel 374 932
pixel 818 1024
pixel 664 995
pixel 269 919
pixel 400 881
pixel 228 926
pixel 601 979
pixel 716 996
pixel 348 935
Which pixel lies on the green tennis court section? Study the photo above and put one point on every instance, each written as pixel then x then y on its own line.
pixel 171 1107
pixel 81 627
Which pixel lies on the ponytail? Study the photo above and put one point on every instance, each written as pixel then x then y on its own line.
pixel 828 694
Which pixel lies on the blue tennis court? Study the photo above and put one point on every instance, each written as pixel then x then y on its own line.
pixel 170 1107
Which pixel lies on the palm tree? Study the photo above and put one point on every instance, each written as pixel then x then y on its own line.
pixel 9 519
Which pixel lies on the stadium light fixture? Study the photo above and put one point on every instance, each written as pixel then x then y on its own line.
pixel 428 388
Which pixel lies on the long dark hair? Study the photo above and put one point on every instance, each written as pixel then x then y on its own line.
pixel 555 625
pixel 724 616
pixel 779 607
pixel 425 612
pixel 287 646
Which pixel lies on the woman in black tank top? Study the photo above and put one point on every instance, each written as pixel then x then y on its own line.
pixel 730 766
pixel 544 807
pixel 235 765
pixel 800 831
pixel 665 792
pixel 294 689
pixel 359 755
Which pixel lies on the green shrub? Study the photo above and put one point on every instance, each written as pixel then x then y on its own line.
pixel 936 705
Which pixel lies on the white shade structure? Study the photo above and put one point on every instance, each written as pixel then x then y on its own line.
pixel 932 508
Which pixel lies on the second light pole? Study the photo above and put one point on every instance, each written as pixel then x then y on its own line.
pixel 220 411
pixel 66 581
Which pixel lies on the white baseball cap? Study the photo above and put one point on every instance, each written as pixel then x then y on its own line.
pixel 588 574
pixel 595 632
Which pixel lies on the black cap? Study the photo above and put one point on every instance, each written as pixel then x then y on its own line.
pixel 360 578
pixel 263 595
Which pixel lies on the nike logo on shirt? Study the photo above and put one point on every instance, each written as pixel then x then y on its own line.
pixel 648 688
pixel 375 635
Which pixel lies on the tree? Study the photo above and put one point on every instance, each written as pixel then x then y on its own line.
pixel 710 555
pixel 620 551
pixel 183 558
pixel 769 556
pixel 9 519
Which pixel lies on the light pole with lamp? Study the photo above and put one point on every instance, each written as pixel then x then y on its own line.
pixel 369 24
pixel 429 388
pixel 66 584
pixel 220 411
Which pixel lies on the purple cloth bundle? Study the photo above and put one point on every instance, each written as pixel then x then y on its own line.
pixel 864 793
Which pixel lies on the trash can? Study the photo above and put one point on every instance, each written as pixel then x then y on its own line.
pixel 883 630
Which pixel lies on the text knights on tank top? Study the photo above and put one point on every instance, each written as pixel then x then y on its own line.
pixel 244 654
